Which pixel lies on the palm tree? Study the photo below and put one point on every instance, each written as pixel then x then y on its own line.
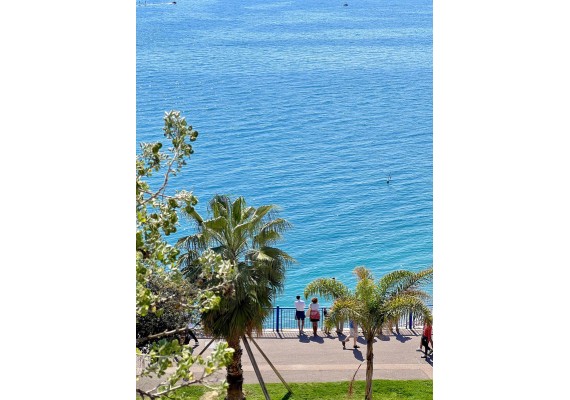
pixel 244 236
pixel 329 288
pixel 372 305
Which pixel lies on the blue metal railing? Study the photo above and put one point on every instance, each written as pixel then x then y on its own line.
pixel 281 318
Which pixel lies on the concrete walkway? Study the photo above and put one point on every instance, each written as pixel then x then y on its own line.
pixel 308 358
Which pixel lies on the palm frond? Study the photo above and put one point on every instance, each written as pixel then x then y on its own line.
pixel 406 303
pixel 420 294
pixel 264 238
pixel 411 282
pixel 216 224
pixel 275 254
pixel 345 309
pixel 261 212
pixel 193 215
pixel 196 242
pixel 247 212
pixel 219 206
pixel 425 276
pixel 237 211
pixel 392 279
pixel 279 225
pixel 362 272
pixel 366 291
pixel 326 287
pixel 271 232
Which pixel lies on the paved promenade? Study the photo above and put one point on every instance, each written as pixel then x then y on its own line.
pixel 322 359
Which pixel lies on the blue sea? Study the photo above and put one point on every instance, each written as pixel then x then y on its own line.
pixel 310 105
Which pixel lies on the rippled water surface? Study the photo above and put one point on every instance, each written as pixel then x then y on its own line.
pixel 309 105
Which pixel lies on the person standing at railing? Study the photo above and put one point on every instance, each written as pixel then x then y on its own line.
pixel 326 330
pixel 314 314
pixel 300 314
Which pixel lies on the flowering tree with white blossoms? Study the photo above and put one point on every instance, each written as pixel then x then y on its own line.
pixel 159 283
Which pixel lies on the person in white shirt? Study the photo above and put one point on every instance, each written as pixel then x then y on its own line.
pixel 300 314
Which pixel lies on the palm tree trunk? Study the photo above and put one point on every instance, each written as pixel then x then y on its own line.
pixel 235 373
pixel 369 368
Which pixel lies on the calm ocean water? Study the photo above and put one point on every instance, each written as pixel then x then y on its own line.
pixel 309 105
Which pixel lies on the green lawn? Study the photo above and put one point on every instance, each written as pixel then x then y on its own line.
pixel 382 390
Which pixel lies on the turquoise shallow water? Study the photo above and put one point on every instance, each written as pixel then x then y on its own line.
pixel 309 105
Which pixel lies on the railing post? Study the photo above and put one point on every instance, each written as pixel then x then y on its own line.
pixel 411 321
pixel 277 318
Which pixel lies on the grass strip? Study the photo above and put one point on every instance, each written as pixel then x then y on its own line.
pixel 381 389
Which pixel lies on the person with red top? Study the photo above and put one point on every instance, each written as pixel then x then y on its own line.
pixel 427 339
pixel 314 315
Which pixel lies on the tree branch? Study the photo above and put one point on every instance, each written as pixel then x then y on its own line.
pixel 160 335
pixel 157 395
pixel 166 176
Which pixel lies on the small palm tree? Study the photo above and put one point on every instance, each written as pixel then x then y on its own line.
pixel 373 305
pixel 244 236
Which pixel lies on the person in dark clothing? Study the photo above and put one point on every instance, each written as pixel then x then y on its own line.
pixel 300 314
pixel 190 333
pixel 427 339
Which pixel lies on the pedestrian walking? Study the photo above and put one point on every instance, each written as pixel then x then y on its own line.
pixel 427 339
pixel 353 333
pixel 300 314
pixel 314 314
pixel 190 333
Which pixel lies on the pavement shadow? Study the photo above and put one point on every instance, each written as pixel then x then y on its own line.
pixel 358 354
pixel 317 339
pixel 362 341
pixel 384 338
pixel 304 339
pixel 402 338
